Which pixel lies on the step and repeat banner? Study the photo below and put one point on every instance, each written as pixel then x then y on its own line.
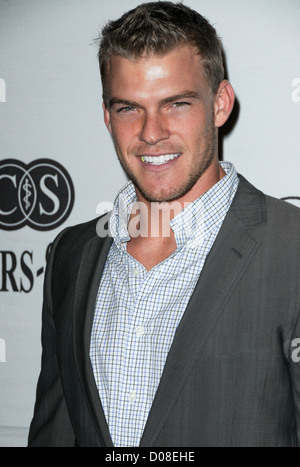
pixel 57 159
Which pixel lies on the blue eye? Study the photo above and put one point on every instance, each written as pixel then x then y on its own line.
pixel 180 104
pixel 126 109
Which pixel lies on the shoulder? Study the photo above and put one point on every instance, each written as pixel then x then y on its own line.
pixel 271 208
pixel 283 208
pixel 80 234
pixel 275 223
pixel 67 248
pixel 283 225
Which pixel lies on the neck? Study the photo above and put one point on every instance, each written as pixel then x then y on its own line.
pixel 152 218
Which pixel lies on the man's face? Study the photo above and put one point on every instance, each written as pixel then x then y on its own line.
pixel 161 116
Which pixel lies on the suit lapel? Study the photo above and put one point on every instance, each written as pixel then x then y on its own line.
pixel 91 268
pixel 231 254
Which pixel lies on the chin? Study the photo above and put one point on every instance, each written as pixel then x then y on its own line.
pixel 165 196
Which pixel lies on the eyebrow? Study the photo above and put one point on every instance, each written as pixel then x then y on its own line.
pixel 179 97
pixel 167 100
pixel 115 101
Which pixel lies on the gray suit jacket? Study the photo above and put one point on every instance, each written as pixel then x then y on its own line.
pixel 232 375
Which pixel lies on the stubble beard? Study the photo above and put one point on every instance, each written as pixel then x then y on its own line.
pixel 201 165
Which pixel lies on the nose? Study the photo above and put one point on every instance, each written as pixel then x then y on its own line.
pixel 154 129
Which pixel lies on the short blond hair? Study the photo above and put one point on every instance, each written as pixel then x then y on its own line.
pixel 157 28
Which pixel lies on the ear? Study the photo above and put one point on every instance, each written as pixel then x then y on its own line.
pixel 223 103
pixel 106 117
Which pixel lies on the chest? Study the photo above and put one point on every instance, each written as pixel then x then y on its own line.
pixel 151 252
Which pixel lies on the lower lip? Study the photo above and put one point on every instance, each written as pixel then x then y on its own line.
pixel 154 168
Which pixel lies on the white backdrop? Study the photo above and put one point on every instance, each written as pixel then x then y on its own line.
pixel 50 108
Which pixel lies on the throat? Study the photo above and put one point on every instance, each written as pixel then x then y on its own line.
pixel 151 251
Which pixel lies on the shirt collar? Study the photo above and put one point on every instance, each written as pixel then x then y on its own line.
pixel 122 208
pixel 193 223
pixel 207 212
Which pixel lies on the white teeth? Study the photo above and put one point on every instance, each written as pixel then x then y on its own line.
pixel 159 160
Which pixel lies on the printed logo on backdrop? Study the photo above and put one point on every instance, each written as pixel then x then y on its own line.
pixel 292 199
pixel 2 351
pixel 2 90
pixel 39 194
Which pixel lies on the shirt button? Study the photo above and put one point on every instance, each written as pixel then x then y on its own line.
pixel 195 243
pixel 136 271
pixel 132 396
pixel 140 331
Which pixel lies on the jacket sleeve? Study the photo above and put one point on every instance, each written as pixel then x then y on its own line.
pixel 50 426
pixel 295 376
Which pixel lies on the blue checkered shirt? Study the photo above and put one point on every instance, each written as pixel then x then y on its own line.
pixel 137 311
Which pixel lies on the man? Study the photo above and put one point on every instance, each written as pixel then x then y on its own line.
pixel 186 336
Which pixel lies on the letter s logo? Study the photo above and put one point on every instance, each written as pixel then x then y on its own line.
pixel 50 194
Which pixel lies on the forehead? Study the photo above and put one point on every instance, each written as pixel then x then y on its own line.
pixel 181 66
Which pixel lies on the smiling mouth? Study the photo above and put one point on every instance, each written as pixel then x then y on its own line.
pixel 159 160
